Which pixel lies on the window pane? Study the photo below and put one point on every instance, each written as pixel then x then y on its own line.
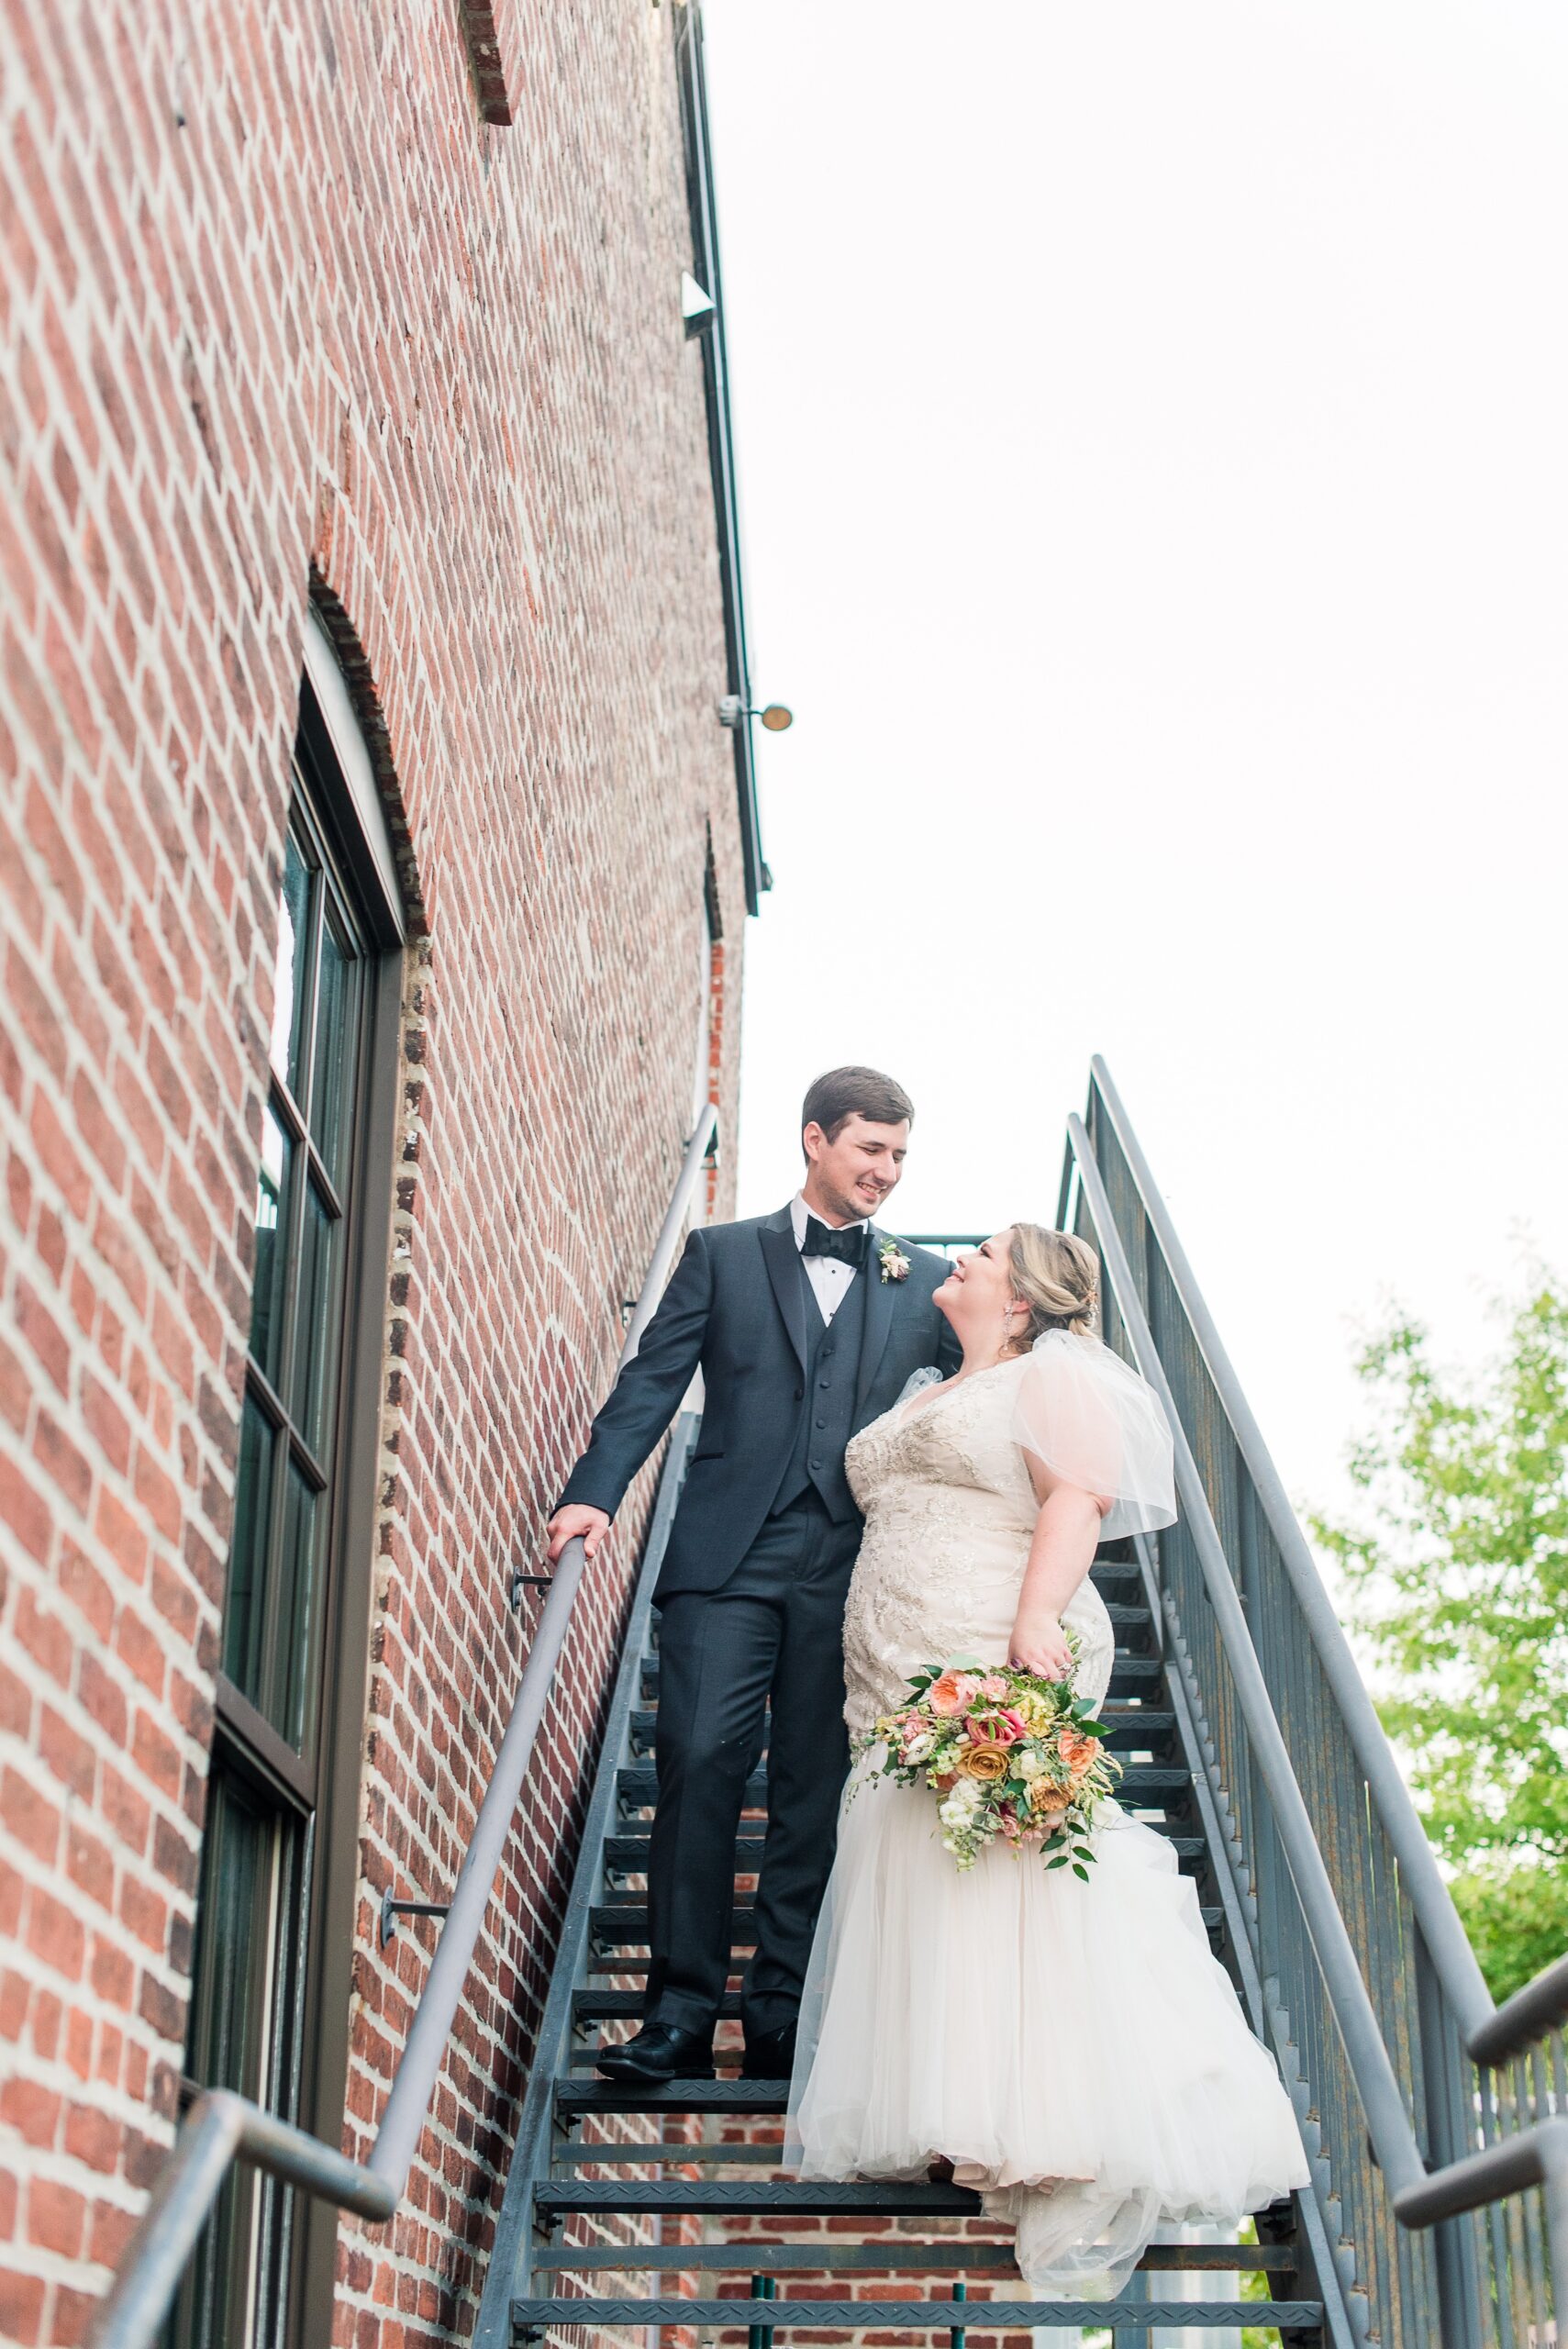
pixel 318 1318
pixel 337 1036
pixel 229 2037
pixel 299 1596
pixel 271 1231
pixel 293 942
pixel 244 1607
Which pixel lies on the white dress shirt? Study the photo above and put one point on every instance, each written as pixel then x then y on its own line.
pixel 828 1275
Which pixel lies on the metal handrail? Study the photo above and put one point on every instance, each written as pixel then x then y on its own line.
pixel 1521 2021
pixel 1533 2156
pixel 223 2128
pixel 1464 2178
pixel 1493 2034
pixel 1448 1944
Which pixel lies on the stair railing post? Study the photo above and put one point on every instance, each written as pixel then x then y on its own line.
pixel 1446 2075
pixel 761 2336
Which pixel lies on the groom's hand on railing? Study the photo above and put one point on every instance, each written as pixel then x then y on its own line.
pixel 577 1519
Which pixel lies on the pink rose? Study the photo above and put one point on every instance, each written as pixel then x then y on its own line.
pixel 993 1688
pixel 950 1694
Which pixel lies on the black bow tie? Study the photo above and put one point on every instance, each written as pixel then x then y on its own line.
pixel 849 1245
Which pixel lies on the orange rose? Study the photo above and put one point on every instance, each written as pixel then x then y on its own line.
pixel 987 1762
pixel 1080 1754
pixel 950 1692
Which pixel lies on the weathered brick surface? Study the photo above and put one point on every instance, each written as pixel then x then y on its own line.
pixel 281 306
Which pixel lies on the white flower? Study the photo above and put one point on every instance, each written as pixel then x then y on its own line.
pixel 1026 1763
pixel 894 1262
pixel 921 1748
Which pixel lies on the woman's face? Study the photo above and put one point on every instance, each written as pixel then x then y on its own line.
pixel 977 1292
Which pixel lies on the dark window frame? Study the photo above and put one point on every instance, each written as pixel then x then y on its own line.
pixel 280 2286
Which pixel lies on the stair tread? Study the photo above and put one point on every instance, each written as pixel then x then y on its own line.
pixel 628 1924
pixel 581 2094
pixel 1127 1670
pixel 917 2315
pixel 564 2197
pixel 1124 1721
pixel 898 2254
pixel 629 1854
pixel 640 1785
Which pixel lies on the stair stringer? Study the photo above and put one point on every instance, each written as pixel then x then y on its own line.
pixel 508 2275
pixel 1346 2314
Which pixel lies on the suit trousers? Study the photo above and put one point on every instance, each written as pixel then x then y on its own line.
pixel 774 1631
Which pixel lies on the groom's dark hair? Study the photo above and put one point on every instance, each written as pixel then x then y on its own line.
pixel 845 1093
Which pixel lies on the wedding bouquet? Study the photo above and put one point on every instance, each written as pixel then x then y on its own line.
pixel 1005 1753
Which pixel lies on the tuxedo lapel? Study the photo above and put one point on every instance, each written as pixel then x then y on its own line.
pixel 783 1260
pixel 878 1319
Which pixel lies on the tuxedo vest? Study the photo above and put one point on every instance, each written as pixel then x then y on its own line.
pixel 826 1419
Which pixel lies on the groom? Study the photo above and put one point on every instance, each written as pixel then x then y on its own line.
pixel 806 1325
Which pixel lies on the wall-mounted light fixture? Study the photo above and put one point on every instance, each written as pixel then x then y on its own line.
pixel 775 718
pixel 697 310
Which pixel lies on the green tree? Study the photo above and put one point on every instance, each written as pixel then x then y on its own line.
pixel 1458 1572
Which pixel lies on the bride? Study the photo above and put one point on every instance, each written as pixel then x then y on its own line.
pixel 1072 2049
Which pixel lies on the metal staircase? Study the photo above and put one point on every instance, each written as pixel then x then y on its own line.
pixel 575 2193
pixel 1436 2124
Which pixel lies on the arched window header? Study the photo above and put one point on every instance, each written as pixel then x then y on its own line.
pixel 367 836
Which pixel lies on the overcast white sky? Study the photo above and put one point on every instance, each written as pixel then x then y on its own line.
pixel 1152 425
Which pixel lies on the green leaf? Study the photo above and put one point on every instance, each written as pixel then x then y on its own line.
pixel 1081 1873
pixel 966 1664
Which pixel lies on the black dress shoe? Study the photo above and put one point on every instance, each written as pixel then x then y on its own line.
pixel 770 2055
pixel 661 2051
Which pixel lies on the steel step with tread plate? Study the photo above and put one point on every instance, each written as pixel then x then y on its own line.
pixel 531 2317
pixel 1130 1728
pixel 831 2255
pixel 628 1928
pixel 638 1787
pixel 1129 1673
pixel 628 1855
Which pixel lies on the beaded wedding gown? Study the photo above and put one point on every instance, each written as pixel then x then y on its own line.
pixel 1074 2049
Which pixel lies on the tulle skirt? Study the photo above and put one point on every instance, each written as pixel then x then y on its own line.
pixel 1074 2049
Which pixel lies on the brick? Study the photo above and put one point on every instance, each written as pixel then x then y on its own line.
pixel 30 1818
pixel 21 2306
pixel 32 2110
pixel 57 2218
pixel 25 1511
pixel 55 1935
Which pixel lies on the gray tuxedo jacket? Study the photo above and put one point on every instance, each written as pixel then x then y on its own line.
pixel 736 1308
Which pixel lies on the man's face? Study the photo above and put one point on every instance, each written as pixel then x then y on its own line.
pixel 852 1175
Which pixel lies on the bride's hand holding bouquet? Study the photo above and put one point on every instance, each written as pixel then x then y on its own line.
pixel 1007 1753
pixel 1040 1646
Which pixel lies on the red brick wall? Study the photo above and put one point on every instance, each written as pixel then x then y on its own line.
pixel 284 294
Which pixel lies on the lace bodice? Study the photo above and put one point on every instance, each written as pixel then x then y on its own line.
pixel 949 1512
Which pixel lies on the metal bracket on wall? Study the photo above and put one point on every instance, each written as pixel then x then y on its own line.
pixel 521 1581
pixel 392 1910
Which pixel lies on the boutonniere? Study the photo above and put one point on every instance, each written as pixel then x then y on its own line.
pixel 894 1262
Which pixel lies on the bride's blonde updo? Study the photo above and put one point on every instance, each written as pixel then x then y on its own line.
pixel 1057 1276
